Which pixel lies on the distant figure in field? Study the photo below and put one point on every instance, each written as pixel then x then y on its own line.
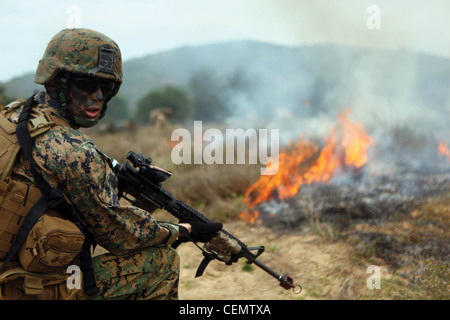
pixel 160 117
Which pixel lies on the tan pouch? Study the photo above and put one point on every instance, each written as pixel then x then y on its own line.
pixel 53 243
pixel 18 284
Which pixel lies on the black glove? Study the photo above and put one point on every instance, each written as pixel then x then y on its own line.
pixel 202 231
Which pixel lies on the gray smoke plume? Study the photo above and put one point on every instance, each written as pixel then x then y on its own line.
pixel 400 97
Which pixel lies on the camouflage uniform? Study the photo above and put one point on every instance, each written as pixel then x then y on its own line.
pixel 82 70
pixel 140 262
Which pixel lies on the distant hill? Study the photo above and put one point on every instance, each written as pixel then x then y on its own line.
pixel 306 79
pixel 21 86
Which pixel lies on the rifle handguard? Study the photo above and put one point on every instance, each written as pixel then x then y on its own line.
pixel 224 247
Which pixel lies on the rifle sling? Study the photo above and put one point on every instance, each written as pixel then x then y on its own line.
pixel 208 256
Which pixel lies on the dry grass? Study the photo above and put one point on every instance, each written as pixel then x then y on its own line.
pixel 216 190
pixel 414 246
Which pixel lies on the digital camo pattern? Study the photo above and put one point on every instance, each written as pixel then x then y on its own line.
pixel 78 51
pixel 151 273
pixel 71 162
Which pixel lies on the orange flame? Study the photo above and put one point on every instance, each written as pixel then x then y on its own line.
pixel 300 164
pixel 443 150
pixel 355 142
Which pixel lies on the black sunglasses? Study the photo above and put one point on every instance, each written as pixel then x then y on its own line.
pixel 91 85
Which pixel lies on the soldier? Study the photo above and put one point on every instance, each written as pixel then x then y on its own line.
pixel 81 70
pixel 160 117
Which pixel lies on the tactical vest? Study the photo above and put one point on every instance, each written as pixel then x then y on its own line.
pixel 22 205
pixel 16 198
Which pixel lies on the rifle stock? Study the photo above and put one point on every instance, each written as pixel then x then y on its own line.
pixel 140 179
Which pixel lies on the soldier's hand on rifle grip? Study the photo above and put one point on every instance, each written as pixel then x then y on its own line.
pixel 188 228
pixel 200 231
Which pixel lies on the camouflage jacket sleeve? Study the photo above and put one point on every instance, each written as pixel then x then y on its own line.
pixel 82 173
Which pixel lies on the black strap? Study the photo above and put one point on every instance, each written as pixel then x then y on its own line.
pixel 51 199
pixel 26 144
pixel 208 256
pixel 32 217
pixel 89 282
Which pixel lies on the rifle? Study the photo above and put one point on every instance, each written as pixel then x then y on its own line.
pixel 143 181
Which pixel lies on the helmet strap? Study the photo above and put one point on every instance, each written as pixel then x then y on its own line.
pixel 61 94
pixel 82 122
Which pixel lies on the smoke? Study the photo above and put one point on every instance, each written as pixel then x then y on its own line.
pixel 400 97
pixel 411 24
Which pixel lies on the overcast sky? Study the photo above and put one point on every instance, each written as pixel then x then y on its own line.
pixel 142 27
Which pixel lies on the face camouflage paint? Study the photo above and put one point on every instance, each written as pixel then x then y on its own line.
pixel 86 105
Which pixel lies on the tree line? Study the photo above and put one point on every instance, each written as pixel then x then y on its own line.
pixel 205 97
pixel 4 99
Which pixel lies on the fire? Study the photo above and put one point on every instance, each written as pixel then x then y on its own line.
pixel 354 141
pixel 303 163
pixel 443 150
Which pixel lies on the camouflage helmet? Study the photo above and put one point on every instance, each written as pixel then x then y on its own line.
pixel 81 51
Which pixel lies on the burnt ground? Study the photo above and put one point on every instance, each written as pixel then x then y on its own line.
pixel 327 236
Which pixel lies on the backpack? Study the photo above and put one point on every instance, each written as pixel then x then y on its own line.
pixel 29 216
